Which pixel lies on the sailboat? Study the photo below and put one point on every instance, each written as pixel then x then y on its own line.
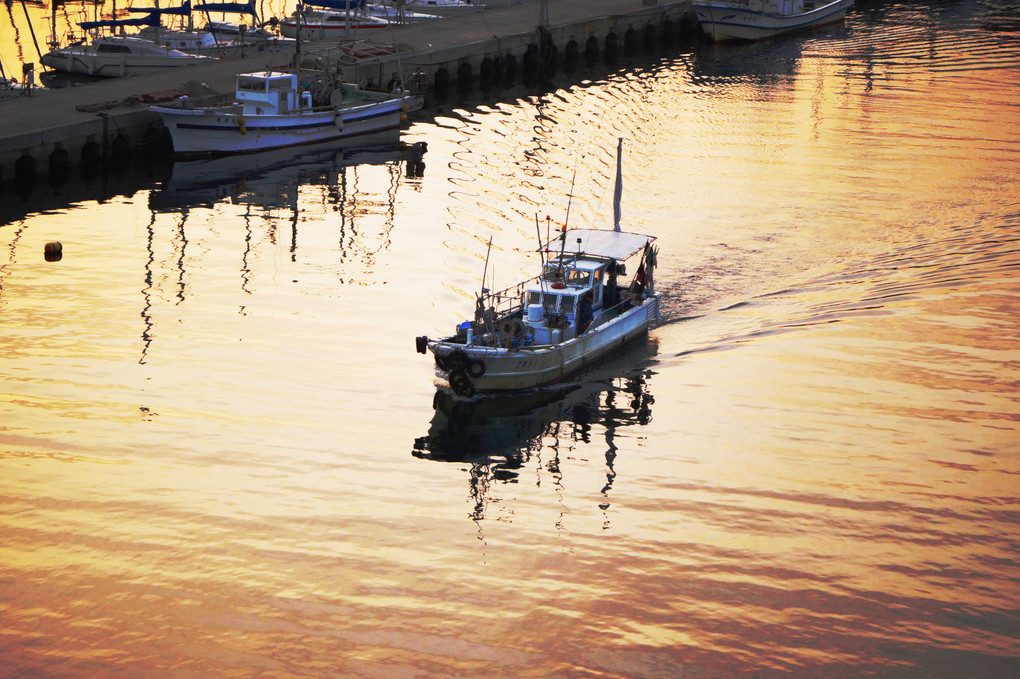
pixel 574 312
pixel 116 56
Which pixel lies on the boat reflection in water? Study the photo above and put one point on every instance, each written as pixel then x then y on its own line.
pixel 268 174
pixel 499 435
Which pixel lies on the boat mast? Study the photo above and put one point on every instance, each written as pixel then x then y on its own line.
pixel 566 220
pixel 297 42
pixel 618 191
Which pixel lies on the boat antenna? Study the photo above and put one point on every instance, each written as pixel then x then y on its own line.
pixel 538 232
pixel 570 196
pixel 566 220
pixel 485 271
pixel 618 192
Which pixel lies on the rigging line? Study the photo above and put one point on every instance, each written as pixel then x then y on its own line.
pixel 31 29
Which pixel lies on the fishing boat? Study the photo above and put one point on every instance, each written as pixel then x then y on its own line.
pixel 270 110
pixel 574 312
pixel 760 19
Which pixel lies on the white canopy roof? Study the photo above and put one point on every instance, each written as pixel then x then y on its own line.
pixel 600 243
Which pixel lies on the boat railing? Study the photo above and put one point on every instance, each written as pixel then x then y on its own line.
pixel 509 301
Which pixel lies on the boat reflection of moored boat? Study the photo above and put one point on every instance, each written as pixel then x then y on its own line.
pixel 206 182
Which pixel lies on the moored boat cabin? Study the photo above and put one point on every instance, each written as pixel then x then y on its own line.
pixel 270 93
pixel 567 300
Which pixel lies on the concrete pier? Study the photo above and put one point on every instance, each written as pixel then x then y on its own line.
pixel 45 136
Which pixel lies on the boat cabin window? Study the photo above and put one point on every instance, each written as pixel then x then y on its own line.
pixel 551 302
pixel 582 278
pixel 251 85
pixel 106 47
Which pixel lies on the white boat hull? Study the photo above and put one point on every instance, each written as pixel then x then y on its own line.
pixel 529 367
pixel 112 66
pixel 445 8
pixel 328 31
pixel 723 21
pixel 219 131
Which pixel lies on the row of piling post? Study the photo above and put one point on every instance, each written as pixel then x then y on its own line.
pixel 543 59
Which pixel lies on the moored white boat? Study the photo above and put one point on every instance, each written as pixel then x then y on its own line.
pixel 573 313
pixel 336 20
pixel 116 56
pixel 201 42
pixel 759 19
pixel 443 8
pixel 271 111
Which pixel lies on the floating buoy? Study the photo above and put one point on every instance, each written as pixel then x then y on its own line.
pixel 53 251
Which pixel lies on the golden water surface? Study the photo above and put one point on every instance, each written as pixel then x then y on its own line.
pixel 220 455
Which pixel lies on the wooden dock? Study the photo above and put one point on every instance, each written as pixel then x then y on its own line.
pixel 48 135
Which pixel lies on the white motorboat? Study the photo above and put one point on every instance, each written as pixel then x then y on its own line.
pixel 116 56
pixel 271 111
pixel 397 13
pixel 574 312
pixel 201 42
pixel 443 8
pixel 759 19
pixel 260 37
pixel 335 20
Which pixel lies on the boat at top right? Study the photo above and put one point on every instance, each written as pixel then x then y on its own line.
pixel 760 19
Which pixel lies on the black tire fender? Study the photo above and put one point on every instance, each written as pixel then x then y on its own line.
pixel 441 363
pixel 456 360
pixel 476 368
